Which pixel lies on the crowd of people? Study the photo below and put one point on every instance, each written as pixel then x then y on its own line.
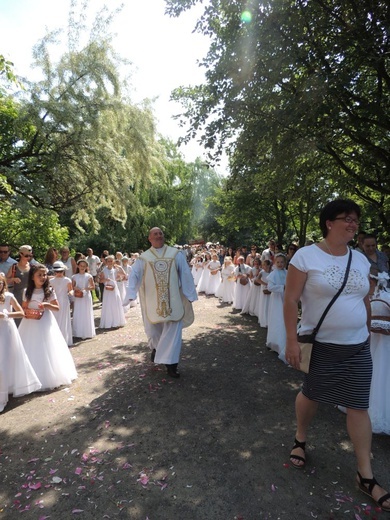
pixel 253 281
pixel 43 306
pixel 284 289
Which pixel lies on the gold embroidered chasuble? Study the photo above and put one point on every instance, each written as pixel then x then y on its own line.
pixel 160 294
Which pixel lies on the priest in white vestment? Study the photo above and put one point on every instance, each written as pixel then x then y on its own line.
pixel 166 287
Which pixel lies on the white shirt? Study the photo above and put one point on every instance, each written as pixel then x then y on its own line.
pixel 346 321
pixel 93 263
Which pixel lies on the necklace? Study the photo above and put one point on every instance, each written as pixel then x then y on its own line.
pixel 328 248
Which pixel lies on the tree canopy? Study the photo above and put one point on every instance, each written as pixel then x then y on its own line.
pixel 75 149
pixel 73 141
pixel 295 83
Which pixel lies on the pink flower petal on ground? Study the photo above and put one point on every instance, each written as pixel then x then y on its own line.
pixel 35 486
pixel 273 487
pixel 76 511
pixel 126 465
pixel 357 517
pixel 33 460
pixel 144 479
pixel 52 471
pixel 78 471
pixel 106 424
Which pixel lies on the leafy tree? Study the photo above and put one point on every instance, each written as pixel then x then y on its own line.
pixel 175 200
pixel 299 78
pixel 7 71
pixel 38 227
pixel 76 143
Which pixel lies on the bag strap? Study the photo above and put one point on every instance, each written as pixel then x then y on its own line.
pixel 314 333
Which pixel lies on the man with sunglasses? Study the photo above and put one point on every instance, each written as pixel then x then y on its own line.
pixel 6 262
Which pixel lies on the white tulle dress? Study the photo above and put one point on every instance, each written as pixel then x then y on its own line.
pixel 214 279
pixel 225 291
pixel 263 302
pixel 276 335
pixel 251 304
pixel 46 348
pixel 60 286
pixel 127 269
pixel 242 291
pixel 122 289
pixel 83 321
pixel 17 376
pixel 204 278
pixel 197 270
pixel 112 309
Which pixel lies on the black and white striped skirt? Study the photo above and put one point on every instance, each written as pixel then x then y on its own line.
pixel 340 375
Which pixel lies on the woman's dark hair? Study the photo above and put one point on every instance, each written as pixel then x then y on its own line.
pixel 51 256
pixel 369 236
pixel 78 256
pixel 335 208
pixel 47 289
pixel 292 246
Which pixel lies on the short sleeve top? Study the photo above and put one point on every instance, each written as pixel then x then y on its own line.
pixel 346 321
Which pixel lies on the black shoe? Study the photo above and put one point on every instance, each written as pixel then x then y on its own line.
pixel 153 355
pixel 172 370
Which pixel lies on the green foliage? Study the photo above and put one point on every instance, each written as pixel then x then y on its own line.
pixel 7 75
pixel 302 84
pixel 34 226
pixel 74 143
pixel 175 199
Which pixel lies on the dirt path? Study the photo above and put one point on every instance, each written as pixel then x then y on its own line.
pixel 126 442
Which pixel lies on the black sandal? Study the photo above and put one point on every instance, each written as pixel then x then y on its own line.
pixel 302 445
pixel 371 483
